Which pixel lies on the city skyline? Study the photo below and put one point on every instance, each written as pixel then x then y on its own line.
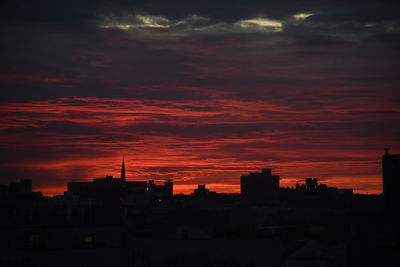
pixel 200 93
pixel 192 188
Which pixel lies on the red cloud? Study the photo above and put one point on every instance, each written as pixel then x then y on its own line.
pixel 211 142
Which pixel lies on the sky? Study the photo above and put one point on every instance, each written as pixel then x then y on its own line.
pixel 200 92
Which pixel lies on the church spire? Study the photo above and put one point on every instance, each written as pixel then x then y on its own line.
pixel 123 178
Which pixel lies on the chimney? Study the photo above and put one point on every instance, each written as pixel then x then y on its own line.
pixel 386 151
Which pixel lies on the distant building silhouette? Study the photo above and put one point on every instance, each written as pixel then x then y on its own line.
pixel 15 189
pixel 201 190
pixel 107 189
pixel 259 187
pixel 312 183
pixel 169 187
pixel 391 179
pixel 166 189
pixel 112 191
pixel 312 186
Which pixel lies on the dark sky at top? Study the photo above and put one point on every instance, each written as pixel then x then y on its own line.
pixel 198 91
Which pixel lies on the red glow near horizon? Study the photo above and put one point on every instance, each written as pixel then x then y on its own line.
pixel 191 143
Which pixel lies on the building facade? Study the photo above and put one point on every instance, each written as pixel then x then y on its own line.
pixel 391 179
pixel 260 187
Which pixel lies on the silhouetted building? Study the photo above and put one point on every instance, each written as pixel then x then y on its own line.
pixel 166 189
pixel 312 186
pixel 201 190
pixel 16 189
pixel 106 189
pixel 259 187
pixel 169 187
pixel 312 183
pixel 18 203
pixel 112 191
pixel 391 179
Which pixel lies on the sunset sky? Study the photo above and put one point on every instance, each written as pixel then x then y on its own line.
pixel 198 91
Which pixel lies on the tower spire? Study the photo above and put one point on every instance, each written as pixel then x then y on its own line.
pixel 123 177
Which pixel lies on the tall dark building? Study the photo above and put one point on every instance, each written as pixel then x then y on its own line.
pixel 391 179
pixel 312 183
pixel 259 187
pixel 169 187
